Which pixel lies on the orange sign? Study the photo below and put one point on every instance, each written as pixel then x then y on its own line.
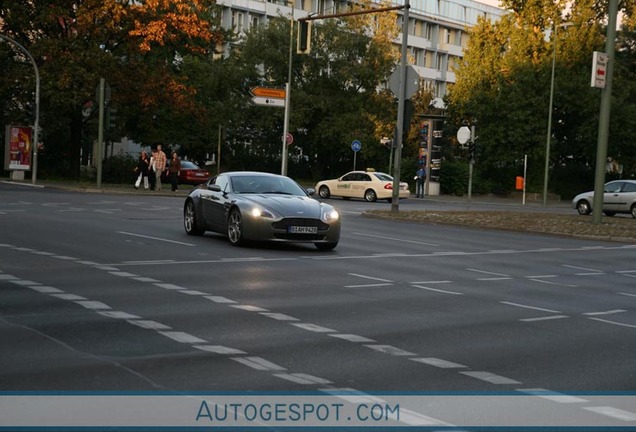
pixel 269 92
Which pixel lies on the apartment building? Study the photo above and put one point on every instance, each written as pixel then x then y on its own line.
pixel 437 28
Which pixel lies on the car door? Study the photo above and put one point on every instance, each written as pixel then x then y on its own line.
pixel 213 203
pixel 613 198
pixel 345 185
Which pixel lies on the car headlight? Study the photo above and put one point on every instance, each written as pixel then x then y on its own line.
pixel 261 212
pixel 330 215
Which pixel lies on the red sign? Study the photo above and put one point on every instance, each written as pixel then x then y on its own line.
pixel 20 147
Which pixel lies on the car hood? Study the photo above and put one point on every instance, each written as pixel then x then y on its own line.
pixel 285 205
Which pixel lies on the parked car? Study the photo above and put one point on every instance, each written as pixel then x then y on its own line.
pixel 255 206
pixel 619 196
pixel 190 173
pixel 369 185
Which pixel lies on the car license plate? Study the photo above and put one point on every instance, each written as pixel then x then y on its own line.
pixel 302 230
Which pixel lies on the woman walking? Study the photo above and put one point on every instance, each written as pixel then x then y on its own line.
pixel 143 168
pixel 174 168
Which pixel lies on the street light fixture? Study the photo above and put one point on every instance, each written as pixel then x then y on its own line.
pixel 549 134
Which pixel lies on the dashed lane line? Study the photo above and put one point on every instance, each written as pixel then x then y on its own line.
pixel 529 307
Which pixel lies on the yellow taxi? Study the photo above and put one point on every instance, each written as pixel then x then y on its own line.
pixel 369 185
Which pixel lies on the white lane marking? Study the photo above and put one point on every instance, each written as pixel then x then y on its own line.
pixel 529 307
pixel 395 239
pixel 45 289
pixel 7 277
pixel 193 292
pixel 437 290
pixel 545 318
pixel 440 363
pixel 314 328
pixel 368 285
pixel 553 283
pixel 627 294
pixel 182 337
pixel 65 257
pixel 541 276
pixel 489 377
pixel 90 263
pixel 122 274
pixel 169 286
pixel 552 395
pixel 589 274
pixel 431 282
pixel 609 312
pixel 352 338
pixel 155 238
pixel 146 262
pixel 90 304
pixel 279 316
pixel 250 308
pixel 494 278
pixel 625 271
pixel 390 349
pixel 72 297
pixel 43 253
pixel 369 277
pixel 219 299
pixel 24 249
pixel 219 349
pixel 118 315
pixel 301 378
pixel 145 279
pixel 613 412
pixel 150 324
pixel 24 282
pixel 258 363
pixel 629 275
pixel 582 268
pixel 613 322
pixel 486 272
pixel 109 268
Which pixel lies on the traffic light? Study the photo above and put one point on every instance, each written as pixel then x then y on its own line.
pixel 425 130
pixel 111 118
pixel 303 45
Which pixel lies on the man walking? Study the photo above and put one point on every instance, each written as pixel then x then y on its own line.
pixel 160 165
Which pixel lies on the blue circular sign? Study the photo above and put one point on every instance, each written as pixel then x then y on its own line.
pixel 356 146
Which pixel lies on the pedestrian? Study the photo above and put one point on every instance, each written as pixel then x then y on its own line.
pixel 159 166
pixel 143 168
pixel 173 171
pixel 151 170
pixel 420 178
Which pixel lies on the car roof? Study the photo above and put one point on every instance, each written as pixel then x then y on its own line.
pixel 252 173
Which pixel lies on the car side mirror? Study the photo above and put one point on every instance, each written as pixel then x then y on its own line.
pixel 311 191
pixel 214 188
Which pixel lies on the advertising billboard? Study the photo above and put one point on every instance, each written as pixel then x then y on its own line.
pixel 18 148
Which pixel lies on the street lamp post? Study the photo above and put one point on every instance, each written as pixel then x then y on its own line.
pixel 284 155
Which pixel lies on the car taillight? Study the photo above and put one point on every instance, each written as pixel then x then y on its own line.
pixel 388 186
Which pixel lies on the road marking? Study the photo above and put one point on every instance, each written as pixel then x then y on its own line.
pixel 352 338
pixel 89 304
pixel 440 363
pixel 529 307
pixel 627 294
pixel 395 239
pixel 258 363
pixel 314 328
pixel 613 322
pixel 369 277
pixel 170 286
pixel 486 272
pixel 625 271
pixel 193 292
pixel 71 297
pixel 609 312
pixel 553 283
pixel 490 377
pixel 219 299
pixel 629 275
pixel 150 324
pixel 219 349
pixel 155 238
pixel 24 283
pixel 552 395
pixel 589 274
pixel 145 279
pixel 432 282
pixel 64 257
pixel 301 378
pixel 279 316
pixel 182 337
pixel 123 274
pixel 368 285
pixel 437 290
pixel 541 276
pixel 546 318
pixel 494 279
pixel 250 308
pixel 43 253
pixel 581 268
pixel 390 349
pixel 613 412
pixel 7 277
pixel 45 289
pixel 118 315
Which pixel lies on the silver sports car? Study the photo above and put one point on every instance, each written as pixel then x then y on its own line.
pixel 255 206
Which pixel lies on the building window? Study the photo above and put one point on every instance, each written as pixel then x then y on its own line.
pixel 237 21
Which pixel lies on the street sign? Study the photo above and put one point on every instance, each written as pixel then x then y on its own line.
pixel 289 139
pixel 412 82
pixel 463 134
pixel 599 68
pixel 356 146
pixel 266 101
pixel 268 92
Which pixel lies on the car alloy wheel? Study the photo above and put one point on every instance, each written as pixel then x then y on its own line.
pixel 633 211
pixel 190 221
pixel 235 227
pixel 370 195
pixel 583 207
pixel 324 192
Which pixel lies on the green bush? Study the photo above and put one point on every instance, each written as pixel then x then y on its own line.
pixel 119 169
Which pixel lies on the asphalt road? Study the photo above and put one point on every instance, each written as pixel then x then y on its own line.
pixel 104 292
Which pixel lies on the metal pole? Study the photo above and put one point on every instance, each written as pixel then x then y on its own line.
pixel 100 133
pixel 36 126
pixel 283 165
pixel 525 170
pixel 549 135
pixel 604 116
pixel 471 164
pixel 218 152
pixel 395 207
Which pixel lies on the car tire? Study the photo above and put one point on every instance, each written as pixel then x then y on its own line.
pixel 370 195
pixel 324 192
pixel 609 213
pixel 326 246
pixel 632 211
pixel 583 207
pixel 235 228
pixel 191 220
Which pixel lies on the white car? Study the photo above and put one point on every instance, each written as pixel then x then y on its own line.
pixel 619 197
pixel 369 185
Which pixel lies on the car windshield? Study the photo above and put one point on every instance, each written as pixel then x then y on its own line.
pixel 188 165
pixel 265 185
pixel 383 177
